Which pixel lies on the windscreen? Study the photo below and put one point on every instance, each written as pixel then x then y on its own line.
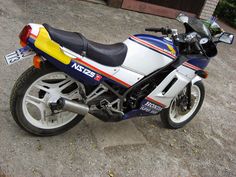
pixel 196 24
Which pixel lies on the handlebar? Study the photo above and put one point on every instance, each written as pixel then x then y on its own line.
pixel 190 39
pixel 165 31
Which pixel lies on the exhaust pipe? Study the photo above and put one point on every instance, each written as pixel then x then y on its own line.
pixel 72 106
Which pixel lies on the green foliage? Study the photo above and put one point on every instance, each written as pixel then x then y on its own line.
pixel 226 10
pixel 213 29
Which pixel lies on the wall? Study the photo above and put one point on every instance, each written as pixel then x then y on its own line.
pixel 208 9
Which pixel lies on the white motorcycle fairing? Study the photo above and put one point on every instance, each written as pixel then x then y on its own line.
pixel 145 75
pixel 146 54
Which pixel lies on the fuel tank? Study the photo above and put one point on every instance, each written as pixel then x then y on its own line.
pixel 147 53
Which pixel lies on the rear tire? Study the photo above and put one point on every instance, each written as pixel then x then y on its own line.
pixel 169 121
pixel 24 82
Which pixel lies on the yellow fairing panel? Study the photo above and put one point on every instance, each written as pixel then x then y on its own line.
pixel 44 43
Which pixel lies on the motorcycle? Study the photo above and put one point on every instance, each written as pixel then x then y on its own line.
pixel 145 75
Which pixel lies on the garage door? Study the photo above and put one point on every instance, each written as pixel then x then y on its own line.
pixel 167 8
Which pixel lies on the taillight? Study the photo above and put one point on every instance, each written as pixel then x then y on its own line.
pixel 25 33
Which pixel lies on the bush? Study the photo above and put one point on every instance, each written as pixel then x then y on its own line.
pixel 226 10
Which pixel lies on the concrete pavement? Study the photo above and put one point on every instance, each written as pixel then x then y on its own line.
pixel 205 147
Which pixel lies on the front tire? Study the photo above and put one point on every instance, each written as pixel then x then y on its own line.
pixel 171 118
pixel 31 91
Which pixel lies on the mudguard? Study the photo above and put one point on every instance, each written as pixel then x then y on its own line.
pixel 196 79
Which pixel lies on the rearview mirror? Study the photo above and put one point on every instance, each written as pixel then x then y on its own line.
pixel 182 18
pixel 227 38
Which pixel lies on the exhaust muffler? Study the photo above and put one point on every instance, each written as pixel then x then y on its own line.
pixel 72 106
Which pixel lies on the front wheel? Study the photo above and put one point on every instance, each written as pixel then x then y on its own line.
pixel 177 115
pixel 29 101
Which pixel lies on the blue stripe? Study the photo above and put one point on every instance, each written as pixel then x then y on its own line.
pixel 152 48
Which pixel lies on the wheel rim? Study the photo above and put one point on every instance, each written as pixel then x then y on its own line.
pixel 174 114
pixel 35 101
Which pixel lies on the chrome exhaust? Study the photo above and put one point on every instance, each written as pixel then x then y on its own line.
pixel 73 106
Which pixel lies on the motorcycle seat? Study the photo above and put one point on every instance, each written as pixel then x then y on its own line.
pixel 110 55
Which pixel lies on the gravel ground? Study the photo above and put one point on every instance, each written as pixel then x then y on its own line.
pixel 205 147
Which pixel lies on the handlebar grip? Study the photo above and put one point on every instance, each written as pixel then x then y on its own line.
pixel 154 29
pixel 162 30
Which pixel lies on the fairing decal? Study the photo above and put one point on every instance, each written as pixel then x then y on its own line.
pixel 148 107
pixel 156 102
pixel 102 72
pixel 163 51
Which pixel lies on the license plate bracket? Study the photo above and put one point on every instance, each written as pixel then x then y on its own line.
pixel 18 55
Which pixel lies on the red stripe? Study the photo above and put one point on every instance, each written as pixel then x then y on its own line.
pixel 152 100
pixel 102 72
pixel 152 46
pixel 191 66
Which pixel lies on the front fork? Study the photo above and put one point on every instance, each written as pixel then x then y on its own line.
pixel 189 86
pixel 189 90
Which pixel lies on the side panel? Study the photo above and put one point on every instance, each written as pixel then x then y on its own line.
pixel 171 86
pixel 78 67
pixel 142 59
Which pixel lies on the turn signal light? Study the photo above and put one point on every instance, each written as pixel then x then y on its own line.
pixel 203 74
pixel 37 61
pixel 24 35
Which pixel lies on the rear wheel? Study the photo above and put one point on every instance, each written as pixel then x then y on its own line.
pixel 29 101
pixel 177 115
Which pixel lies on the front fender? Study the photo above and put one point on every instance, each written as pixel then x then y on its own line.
pixel 196 79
